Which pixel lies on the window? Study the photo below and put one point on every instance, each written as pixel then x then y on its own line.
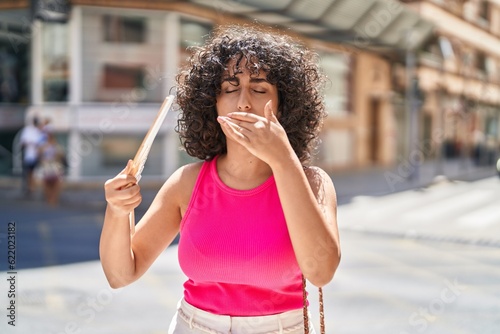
pixel 491 126
pixel 55 58
pixel 481 61
pixel 123 56
pixel 124 29
pixel 336 67
pixel 483 14
pixel 491 68
pixel 117 150
pixel 14 72
pixel 120 76
pixel 192 34
pixel 484 9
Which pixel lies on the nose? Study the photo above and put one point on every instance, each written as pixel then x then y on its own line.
pixel 244 102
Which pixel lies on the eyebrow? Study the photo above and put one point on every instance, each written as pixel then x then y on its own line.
pixel 252 80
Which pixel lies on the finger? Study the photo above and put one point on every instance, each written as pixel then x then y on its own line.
pixel 243 116
pixel 127 168
pixel 125 181
pixel 130 183
pixel 238 125
pixel 126 206
pixel 124 196
pixel 233 128
pixel 120 182
pixel 268 111
pixel 132 202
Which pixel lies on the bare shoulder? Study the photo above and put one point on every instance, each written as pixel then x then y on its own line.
pixel 184 177
pixel 316 175
pixel 321 183
pixel 187 173
pixel 179 186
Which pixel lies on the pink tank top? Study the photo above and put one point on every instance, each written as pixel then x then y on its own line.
pixel 235 249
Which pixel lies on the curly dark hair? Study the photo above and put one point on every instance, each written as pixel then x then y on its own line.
pixel 291 67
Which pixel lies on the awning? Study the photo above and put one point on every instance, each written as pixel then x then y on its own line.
pixel 381 25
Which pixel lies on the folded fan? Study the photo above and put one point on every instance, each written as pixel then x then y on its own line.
pixel 142 153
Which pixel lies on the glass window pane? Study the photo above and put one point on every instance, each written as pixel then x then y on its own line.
pixel 14 72
pixel 120 76
pixel 124 29
pixel 55 62
pixel 336 68
pixel 192 34
pixel 114 152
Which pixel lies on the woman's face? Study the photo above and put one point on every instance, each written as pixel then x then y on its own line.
pixel 243 91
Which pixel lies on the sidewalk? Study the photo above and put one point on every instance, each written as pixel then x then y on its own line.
pixel 458 212
pixel 380 181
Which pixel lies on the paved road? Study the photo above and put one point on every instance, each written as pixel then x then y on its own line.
pixel 423 261
pixel 391 285
pixel 384 285
pixel 464 212
pixel 49 236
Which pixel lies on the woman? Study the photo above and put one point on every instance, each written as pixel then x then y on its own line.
pixel 52 168
pixel 253 215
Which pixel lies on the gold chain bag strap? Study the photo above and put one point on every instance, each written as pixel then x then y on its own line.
pixel 306 313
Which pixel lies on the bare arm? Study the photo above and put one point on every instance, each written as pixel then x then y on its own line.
pixel 125 258
pixel 310 206
pixel 307 196
pixel 115 251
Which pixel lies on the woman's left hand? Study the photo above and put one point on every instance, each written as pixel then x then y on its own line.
pixel 264 137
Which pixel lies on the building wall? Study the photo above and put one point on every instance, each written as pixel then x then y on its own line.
pixel 98 120
pixel 98 54
pixel 376 128
pixel 464 89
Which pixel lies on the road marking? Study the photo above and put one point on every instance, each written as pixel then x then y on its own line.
pixel 445 209
pixel 379 209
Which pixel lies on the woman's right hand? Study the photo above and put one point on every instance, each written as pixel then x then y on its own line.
pixel 122 192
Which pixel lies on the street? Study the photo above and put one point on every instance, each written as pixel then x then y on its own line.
pixel 49 236
pixel 420 261
pixel 391 285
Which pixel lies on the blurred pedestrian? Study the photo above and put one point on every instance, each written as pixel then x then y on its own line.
pixel 254 217
pixel 46 127
pixel 51 168
pixel 31 138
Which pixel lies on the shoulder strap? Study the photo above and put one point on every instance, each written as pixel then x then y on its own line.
pixel 306 313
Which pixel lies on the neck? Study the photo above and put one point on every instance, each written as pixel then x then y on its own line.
pixel 242 170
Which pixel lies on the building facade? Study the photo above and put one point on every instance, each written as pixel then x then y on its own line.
pixel 459 71
pixel 99 70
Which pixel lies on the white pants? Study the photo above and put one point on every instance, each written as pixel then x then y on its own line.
pixel 189 319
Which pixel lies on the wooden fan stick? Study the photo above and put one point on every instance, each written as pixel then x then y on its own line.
pixel 142 153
